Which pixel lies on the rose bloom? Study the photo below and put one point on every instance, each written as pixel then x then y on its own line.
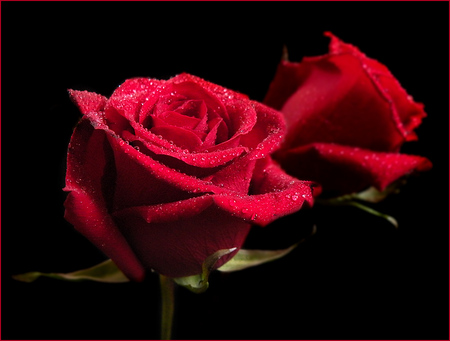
pixel 164 174
pixel 347 118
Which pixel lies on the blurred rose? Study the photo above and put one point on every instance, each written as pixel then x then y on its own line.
pixel 347 118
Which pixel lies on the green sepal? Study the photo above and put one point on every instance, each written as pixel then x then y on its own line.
pixel 374 195
pixel 371 195
pixel 106 272
pixel 370 210
pixel 199 283
pixel 248 258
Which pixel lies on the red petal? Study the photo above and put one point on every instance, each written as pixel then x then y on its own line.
pixel 348 169
pixel 274 194
pixel 140 180
pixel 180 137
pixel 85 205
pixel 189 90
pixel 176 238
pixel 267 134
pixel 173 118
pixel 88 101
pixel 406 113
pixel 235 177
pixel 223 93
pixel 131 94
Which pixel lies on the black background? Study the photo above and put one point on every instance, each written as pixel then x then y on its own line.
pixel 356 278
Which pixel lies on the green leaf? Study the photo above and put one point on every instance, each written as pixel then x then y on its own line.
pixel 199 283
pixel 248 258
pixel 106 272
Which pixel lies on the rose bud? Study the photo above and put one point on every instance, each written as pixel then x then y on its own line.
pixel 163 174
pixel 347 118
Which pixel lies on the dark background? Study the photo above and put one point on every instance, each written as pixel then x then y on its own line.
pixel 356 278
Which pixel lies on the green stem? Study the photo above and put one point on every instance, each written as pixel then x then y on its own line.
pixel 167 306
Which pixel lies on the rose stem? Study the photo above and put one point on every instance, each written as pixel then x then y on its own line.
pixel 167 306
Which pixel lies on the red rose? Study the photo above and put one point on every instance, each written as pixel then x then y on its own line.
pixel 347 118
pixel 165 173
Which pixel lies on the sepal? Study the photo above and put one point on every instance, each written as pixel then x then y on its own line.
pixel 248 258
pixel 370 195
pixel 106 272
pixel 199 283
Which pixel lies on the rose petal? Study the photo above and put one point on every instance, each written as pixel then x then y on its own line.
pixel 217 90
pixel 85 205
pixel 189 90
pixel 267 134
pixel 212 136
pixel 193 108
pixel 181 137
pixel 173 118
pixel 274 194
pixel 349 169
pixel 236 176
pixel 129 97
pixel 141 180
pixel 88 101
pixel 243 118
pixel 216 156
pixel 195 227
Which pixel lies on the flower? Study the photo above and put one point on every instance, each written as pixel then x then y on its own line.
pixel 164 174
pixel 347 117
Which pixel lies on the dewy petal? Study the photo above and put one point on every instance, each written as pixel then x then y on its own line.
pixel 130 96
pixel 155 182
pixel 85 206
pixel 218 155
pixel 180 137
pixel 220 91
pixel 141 180
pixel 273 194
pixel 87 101
pixel 173 118
pixel 190 90
pixel 345 169
pixel 236 176
pixel 195 227
pixel 267 133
